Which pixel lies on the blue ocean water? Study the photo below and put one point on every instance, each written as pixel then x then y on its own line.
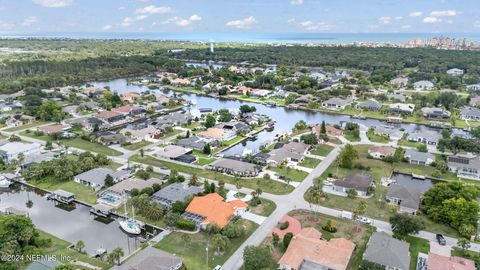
pixel 322 38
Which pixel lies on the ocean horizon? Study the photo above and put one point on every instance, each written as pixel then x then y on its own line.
pixel 319 38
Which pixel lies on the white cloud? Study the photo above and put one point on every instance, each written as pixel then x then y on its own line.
pixel 431 20
pixel 150 10
pixel 476 24
pixel 407 26
pixel 385 19
pixel 53 3
pixel 106 27
pixel 242 24
pixel 444 13
pixel 291 20
pixel 183 22
pixel 296 2
pixel 314 26
pixel 29 21
pixel 415 14
pixel 5 26
pixel 398 18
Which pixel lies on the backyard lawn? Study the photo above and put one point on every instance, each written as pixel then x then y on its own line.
pixel 309 162
pixel 265 209
pixel 82 193
pixel 194 253
pixel 59 247
pixel 289 173
pixel 269 186
pixel 136 146
pixel 416 245
pixel 376 138
pixel 321 150
pixel 204 161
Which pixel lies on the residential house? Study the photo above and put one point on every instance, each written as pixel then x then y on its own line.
pixel 18 119
pixel 455 72
pixel 401 108
pixel 211 209
pixel 174 152
pixel 110 137
pixel 389 131
pixel 436 113
pixel 359 182
pixel 423 86
pixel 260 93
pixel 95 178
pixel 381 152
pixel 218 134
pixel 180 82
pixel 163 100
pixel 146 133
pixel 387 251
pixel 234 167
pixel 307 250
pixel 91 105
pixel 110 116
pixel 54 129
pixel 176 192
pixel 336 103
pixel 130 97
pixel 94 91
pixel 290 152
pixel 153 259
pixel 473 87
pixel 471 114
pixel 88 123
pixel 425 136
pixel 194 142
pixel 400 82
pixel 475 102
pixel 12 151
pixel 125 187
pixel 419 158
pixel 440 262
pixel 371 105
pixel 330 131
pixel 303 100
pixel 397 97
pixel 406 198
pixel 129 110
pixel 70 109
pixel 465 167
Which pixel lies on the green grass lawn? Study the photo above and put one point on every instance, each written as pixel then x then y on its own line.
pixel 194 253
pixel 59 247
pixel 269 186
pixel 409 143
pixel 321 150
pixel 31 125
pixel 228 143
pixel 82 193
pixel 416 245
pixel 265 209
pixel 376 138
pixel 309 162
pixel 350 136
pixel 136 146
pixel 204 161
pixel 290 173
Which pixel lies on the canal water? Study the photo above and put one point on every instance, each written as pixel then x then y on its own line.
pixel 285 119
pixel 71 223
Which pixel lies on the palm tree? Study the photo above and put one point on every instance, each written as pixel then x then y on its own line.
pixel 115 255
pixel 79 246
pixel 154 213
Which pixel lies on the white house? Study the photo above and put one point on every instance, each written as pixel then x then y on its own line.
pixel 455 72
pixel 11 151
pixel 423 85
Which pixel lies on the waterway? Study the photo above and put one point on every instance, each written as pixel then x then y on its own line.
pixel 285 119
pixel 71 223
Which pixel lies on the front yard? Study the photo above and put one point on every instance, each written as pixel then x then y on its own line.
pixel 321 150
pixel 82 193
pixel 309 162
pixel 289 173
pixel 136 146
pixel 265 209
pixel 194 253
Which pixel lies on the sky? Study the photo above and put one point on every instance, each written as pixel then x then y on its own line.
pixel 243 16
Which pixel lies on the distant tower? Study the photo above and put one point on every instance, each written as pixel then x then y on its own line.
pixel 211 46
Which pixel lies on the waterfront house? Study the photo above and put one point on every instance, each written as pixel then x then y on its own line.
pixel 389 131
pixel 91 105
pixel 176 192
pixel 473 87
pixel 95 178
pixel 110 116
pixel 130 110
pixel 19 119
pixel 330 131
pixel 290 152
pixel 194 142
pixel 211 209
pixel 234 167
pixel 359 182
pixel 423 86
pixel 147 133
pixel 303 100
pixel 113 195
pixel 465 167
pixel 401 108
pixel 441 262
pixel 370 105
pixel 336 103
pixel 130 97
pixel 180 82
pixel 173 152
pixel 470 114
pixel 110 137
pixel 54 129
pixel 11 151
pixel 88 123
pixel 387 251
pixel 455 72
pixel 400 82
pixel 380 152
pixel 419 158
pixel 425 136
pixel 94 91
pixel 435 113
pixel 218 134
pixel 397 97
pixel 307 250
pixel 406 198
pixel 151 258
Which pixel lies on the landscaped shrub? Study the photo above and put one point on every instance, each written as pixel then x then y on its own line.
pixel 284 225
pixel 330 226
pixel 286 239
pixel 186 224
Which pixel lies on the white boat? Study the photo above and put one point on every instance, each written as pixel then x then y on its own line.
pixel 5 183
pixel 129 225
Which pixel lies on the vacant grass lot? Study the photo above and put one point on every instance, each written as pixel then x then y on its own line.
pixel 82 193
pixel 269 186
pixel 194 254
pixel 321 150
pixel 31 125
pixel 376 138
pixel 136 146
pixel 289 173
pixel 309 162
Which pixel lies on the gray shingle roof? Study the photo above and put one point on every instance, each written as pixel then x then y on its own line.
pixel 357 181
pixel 98 175
pixel 388 251
pixel 410 197
pixel 175 192
pixel 413 154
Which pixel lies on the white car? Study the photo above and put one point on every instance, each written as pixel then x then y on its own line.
pixel 218 267
pixel 364 220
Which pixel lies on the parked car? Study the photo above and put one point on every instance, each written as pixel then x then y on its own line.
pixel 364 220
pixel 218 267
pixel 441 240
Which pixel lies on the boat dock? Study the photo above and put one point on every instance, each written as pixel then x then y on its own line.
pixel 62 196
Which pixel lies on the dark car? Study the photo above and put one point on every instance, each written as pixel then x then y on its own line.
pixel 441 240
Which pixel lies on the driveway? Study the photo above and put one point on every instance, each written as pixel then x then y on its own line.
pixel 440 250
pixel 254 217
